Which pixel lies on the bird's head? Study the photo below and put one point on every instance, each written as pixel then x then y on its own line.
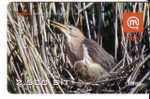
pixel 71 32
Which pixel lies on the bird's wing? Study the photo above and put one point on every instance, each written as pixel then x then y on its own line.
pixel 98 54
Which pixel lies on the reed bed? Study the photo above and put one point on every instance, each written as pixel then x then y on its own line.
pixel 36 59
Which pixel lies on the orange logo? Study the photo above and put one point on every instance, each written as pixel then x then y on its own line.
pixel 133 22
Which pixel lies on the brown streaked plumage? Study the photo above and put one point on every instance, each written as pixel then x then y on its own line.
pixel 89 59
pixel 90 72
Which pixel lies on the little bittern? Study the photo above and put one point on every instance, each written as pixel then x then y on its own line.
pixel 90 60
pixel 90 72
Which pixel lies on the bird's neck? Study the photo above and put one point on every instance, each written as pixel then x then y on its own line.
pixel 75 42
pixel 75 48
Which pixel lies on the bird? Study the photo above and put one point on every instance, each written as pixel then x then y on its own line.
pixel 91 72
pixel 90 60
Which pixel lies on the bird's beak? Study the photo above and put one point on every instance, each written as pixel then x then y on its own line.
pixel 61 27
